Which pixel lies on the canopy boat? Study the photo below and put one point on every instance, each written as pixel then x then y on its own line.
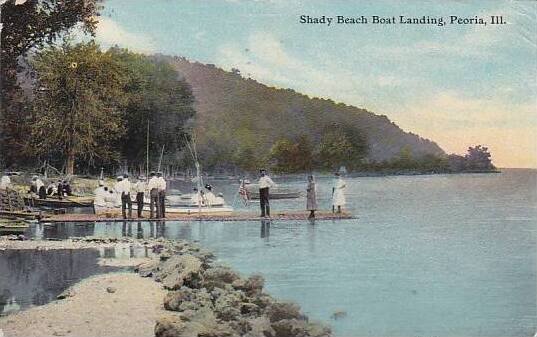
pixel 275 192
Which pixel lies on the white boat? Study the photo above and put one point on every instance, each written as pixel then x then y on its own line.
pixel 196 199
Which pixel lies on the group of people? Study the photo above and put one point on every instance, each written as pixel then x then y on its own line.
pixel 338 194
pixel 124 190
pixel 59 188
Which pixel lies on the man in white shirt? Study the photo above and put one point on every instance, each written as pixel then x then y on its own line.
pixel 161 194
pixel 140 188
pixel 38 187
pixel 99 198
pixel 123 186
pixel 152 186
pixel 5 182
pixel 264 184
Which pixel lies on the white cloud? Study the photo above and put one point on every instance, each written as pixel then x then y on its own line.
pixel 110 33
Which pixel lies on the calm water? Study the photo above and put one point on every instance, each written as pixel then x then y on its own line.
pixel 451 255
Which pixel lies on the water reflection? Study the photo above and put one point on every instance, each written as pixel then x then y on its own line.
pixel 36 277
pixel 265 229
pixel 29 277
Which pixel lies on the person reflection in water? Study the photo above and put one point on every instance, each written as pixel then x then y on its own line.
pixel 265 229
pixel 139 231
pixel 311 197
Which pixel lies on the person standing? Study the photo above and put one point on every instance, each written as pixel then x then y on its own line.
pixel 161 194
pixel 154 204
pixel 311 197
pixel 67 188
pixel 60 189
pixel 99 193
pixel 124 187
pixel 38 187
pixel 140 190
pixel 5 182
pixel 338 194
pixel 265 183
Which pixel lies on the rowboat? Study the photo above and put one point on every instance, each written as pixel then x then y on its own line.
pixel 275 192
pixel 54 202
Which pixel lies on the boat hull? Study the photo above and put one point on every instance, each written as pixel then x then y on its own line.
pixel 57 203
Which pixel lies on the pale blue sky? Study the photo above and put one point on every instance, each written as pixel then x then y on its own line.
pixel 458 85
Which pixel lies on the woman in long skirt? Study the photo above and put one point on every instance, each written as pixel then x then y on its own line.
pixel 338 194
pixel 311 197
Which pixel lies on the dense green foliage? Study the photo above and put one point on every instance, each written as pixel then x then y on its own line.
pixel 156 97
pixel 79 96
pixel 27 26
pixel 97 105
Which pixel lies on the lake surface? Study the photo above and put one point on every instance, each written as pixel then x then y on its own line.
pixel 439 255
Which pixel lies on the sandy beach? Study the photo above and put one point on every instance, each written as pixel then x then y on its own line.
pixel 122 304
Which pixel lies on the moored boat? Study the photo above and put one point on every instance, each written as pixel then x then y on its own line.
pixel 275 192
pixel 52 202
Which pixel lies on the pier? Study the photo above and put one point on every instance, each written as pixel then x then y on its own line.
pixel 235 216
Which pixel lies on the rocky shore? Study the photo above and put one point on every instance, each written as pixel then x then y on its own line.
pixel 207 299
pixel 202 298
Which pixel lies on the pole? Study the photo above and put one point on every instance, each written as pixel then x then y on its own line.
pixel 147 153
pixel 160 160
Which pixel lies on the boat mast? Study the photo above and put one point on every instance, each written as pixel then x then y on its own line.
pixel 147 153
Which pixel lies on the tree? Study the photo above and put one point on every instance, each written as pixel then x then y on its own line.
pixel 26 26
pixel 341 146
pixel 478 158
pixel 78 100
pixel 155 95
pixel 34 23
pixel 292 156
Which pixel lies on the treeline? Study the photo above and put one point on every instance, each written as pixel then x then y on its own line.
pixel 80 108
pixel 302 156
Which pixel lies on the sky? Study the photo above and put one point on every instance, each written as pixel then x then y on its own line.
pixel 458 85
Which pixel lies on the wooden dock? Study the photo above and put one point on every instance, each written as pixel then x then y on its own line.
pixel 242 216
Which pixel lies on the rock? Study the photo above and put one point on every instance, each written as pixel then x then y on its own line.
pixel 66 293
pixel 227 306
pixel 186 299
pixel 218 277
pixel 146 269
pixel 110 290
pixel 252 286
pixel 174 299
pixel 338 315
pixel 180 270
pixel 202 323
pixel 283 310
pixel 250 309
pixel 260 326
pixel 299 328
pixel 171 326
pixel 262 300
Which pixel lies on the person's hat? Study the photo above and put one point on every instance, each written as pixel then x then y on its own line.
pixel 119 178
pixel 152 173
pixel 125 175
pixel 262 170
pixel 34 177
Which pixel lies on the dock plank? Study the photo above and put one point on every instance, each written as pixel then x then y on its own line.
pixel 242 216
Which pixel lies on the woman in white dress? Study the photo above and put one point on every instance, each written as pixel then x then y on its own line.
pixel 338 194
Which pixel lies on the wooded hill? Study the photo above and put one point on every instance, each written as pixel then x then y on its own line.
pixel 239 119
